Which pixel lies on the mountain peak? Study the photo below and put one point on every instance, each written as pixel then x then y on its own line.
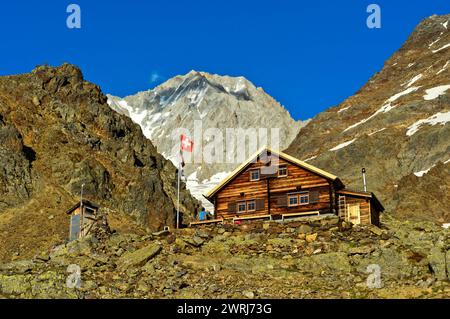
pixel 219 102
pixel 193 73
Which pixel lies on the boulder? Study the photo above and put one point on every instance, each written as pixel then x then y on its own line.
pixel 14 285
pixel 377 231
pixel 139 257
pixel 17 267
pixel 304 229
pixel 311 238
pixel 436 259
pixel 249 294
pixel 162 233
pixel 195 241
pixel 361 250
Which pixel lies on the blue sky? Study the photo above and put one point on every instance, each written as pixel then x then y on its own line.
pixel 309 55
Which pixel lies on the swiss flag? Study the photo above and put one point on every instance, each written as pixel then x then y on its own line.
pixel 186 144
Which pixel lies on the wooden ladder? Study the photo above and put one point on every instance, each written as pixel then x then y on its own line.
pixel 342 207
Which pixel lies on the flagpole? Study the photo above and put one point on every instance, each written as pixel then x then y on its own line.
pixel 178 196
pixel 181 164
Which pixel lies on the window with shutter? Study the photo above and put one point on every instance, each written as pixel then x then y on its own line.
pixel 296 199
pixel 293 200
pixel 304 198
pixel 242 207
pixel 251 206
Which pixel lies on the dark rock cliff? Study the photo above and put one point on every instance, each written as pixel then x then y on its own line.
pixel 56 133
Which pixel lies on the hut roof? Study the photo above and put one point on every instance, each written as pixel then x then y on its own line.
pixel 85 203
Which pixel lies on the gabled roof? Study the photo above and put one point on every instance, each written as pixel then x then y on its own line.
pixel 85 203
pixel 282 155
pixel 370 195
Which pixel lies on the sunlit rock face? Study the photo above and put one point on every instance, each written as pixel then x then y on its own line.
pixel 397 126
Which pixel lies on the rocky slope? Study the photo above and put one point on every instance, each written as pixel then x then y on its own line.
pixel 217 102
pixel 56 133
pixel 397 126
pixel 312 258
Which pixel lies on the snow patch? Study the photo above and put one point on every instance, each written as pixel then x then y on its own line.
pixel 413 80
pixel 438 118
pixel 196 96
pixel 435 41
pixel 197 188
pixel 411 64
pixel 380 130
pixel 203 115
pixel 421 173
pixel 443 68
pixel 149 126
pixel 433 93
pixel 441 48
pixel 386 107
pixel 240 86
pixel 138 117
pixel 310 158
pixel 342 145
pixel 398 95
pixel 123 104
pixel 446 226
pixel 343 109
pixel 445 24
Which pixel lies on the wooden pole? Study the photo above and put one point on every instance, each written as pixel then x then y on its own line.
pixel 178 196
pixel 81 212
pixel 268 196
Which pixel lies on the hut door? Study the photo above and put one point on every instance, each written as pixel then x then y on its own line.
pixel 75 227
pixel 353 214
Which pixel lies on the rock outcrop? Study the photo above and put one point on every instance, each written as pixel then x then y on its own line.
pixel 57 132
pixel 397 126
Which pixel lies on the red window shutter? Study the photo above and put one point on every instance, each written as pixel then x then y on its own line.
pixel 260 204
pixel 232 207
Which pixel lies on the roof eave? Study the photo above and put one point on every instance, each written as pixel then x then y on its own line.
pixel 285 156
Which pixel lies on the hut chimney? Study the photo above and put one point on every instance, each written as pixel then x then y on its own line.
pixel 364 178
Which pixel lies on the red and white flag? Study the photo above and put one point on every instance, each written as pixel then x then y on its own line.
pixel 186 144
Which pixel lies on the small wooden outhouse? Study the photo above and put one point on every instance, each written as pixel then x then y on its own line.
pixel 83 216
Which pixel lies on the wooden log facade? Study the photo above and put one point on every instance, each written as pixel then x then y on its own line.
pixel 275 184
